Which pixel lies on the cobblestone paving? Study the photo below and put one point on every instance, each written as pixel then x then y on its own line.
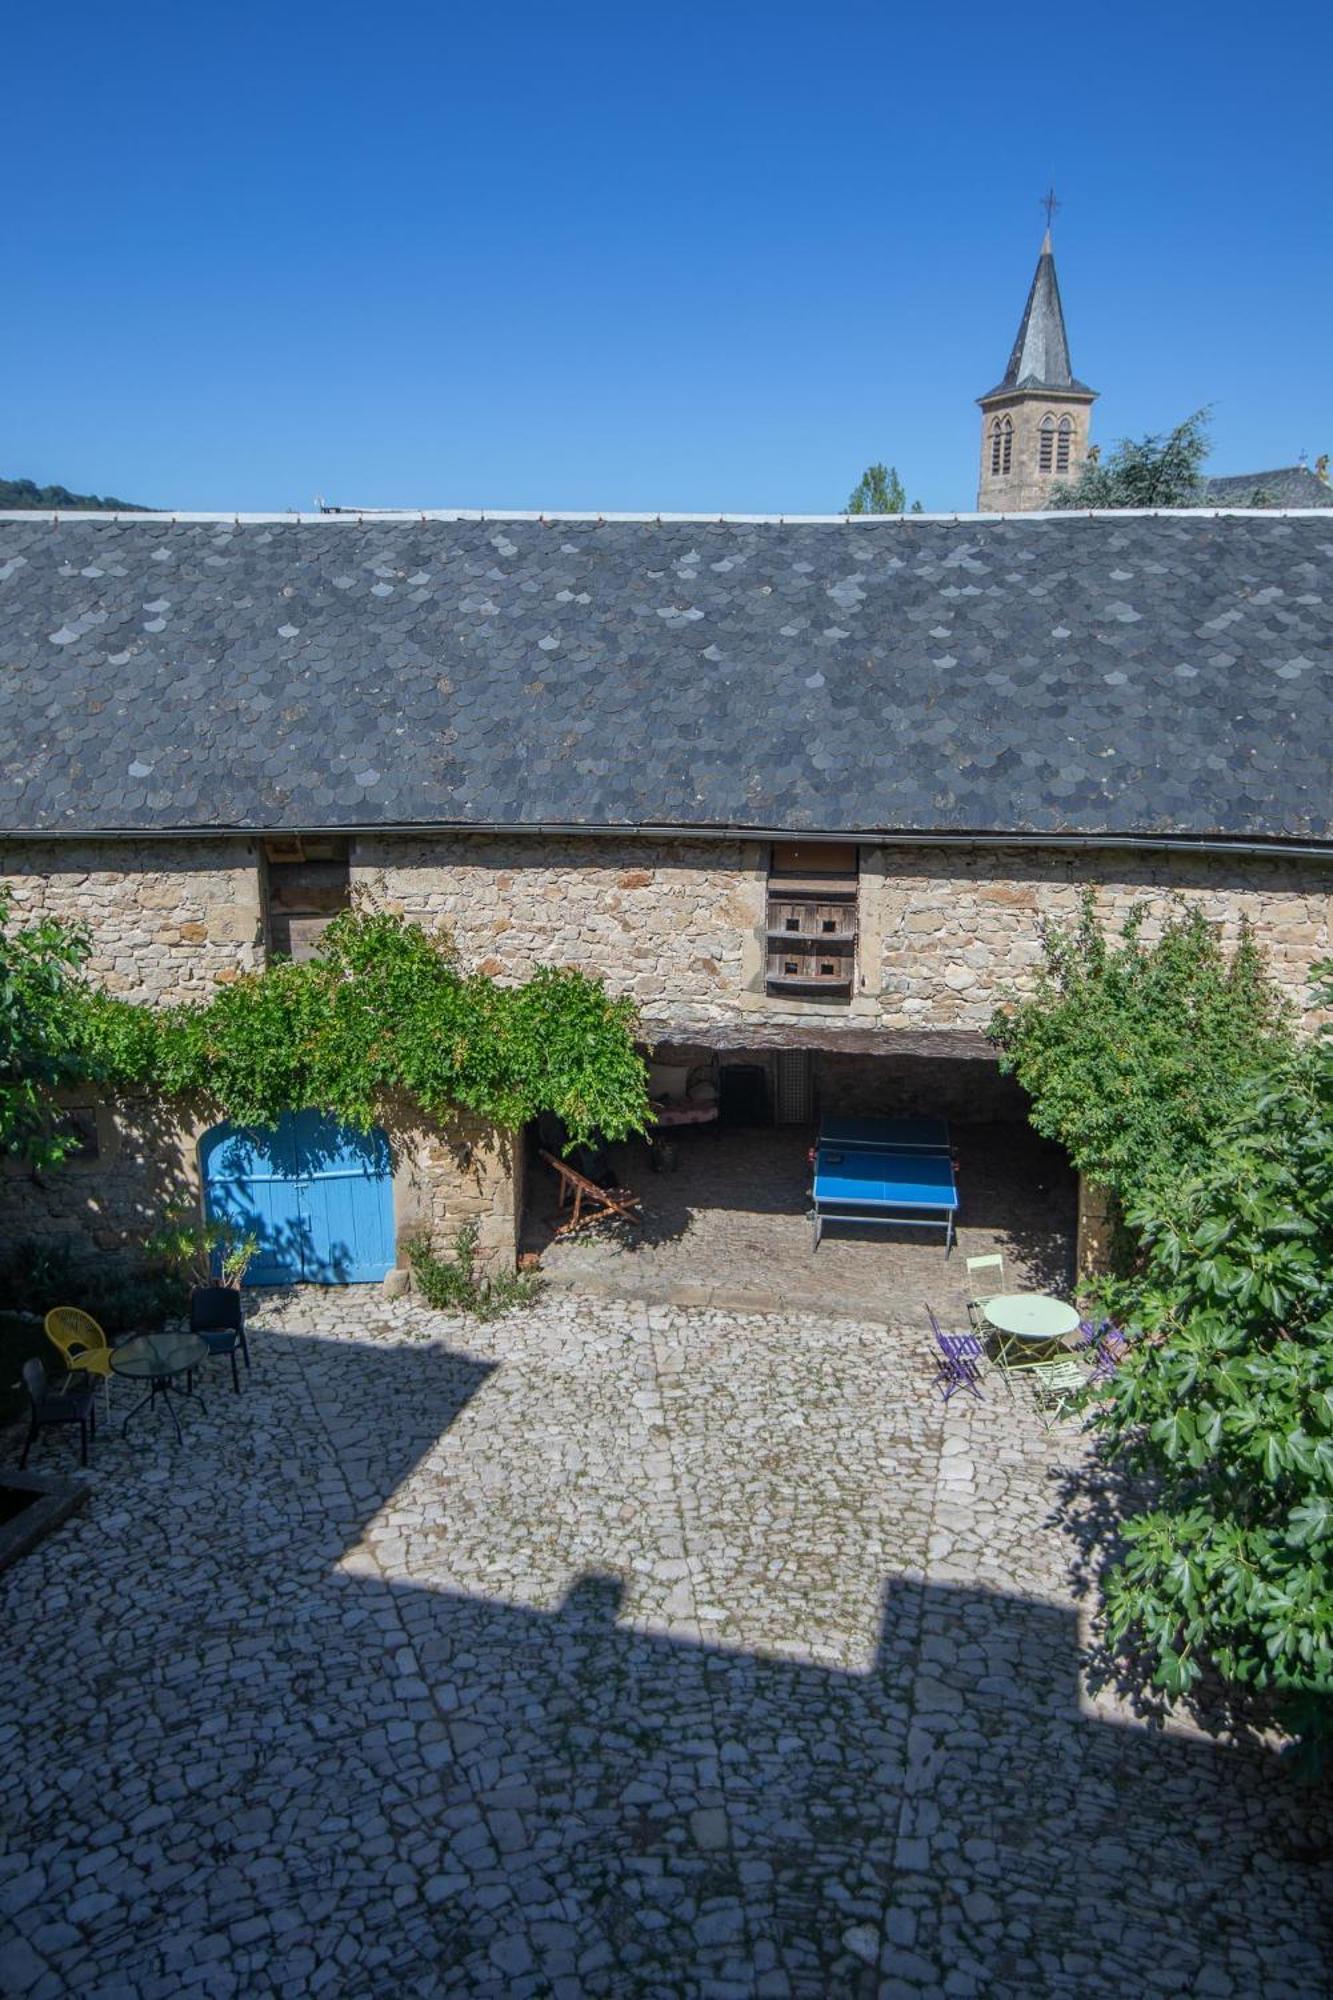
pixel 730 1228
pixel 610 1650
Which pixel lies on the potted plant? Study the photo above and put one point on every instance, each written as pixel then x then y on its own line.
pixel 207 1255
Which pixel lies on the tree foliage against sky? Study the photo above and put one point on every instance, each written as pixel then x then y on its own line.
pixel 1161 470
pixel 879 490
pixel 22 493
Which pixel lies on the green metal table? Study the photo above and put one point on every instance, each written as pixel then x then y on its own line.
pixel 1031 1327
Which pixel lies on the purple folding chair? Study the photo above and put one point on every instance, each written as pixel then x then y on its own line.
pixel 965 1346
pixel 955 1361
pixel 1110 1348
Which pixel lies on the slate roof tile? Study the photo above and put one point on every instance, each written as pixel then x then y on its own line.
pixel 1098 675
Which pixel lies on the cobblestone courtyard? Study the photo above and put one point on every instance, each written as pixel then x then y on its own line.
pixel 613 1649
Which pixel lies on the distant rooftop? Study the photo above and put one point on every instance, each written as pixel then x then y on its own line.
pixel 1287 486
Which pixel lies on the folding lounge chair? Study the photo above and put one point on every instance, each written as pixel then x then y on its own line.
pixel 584 1194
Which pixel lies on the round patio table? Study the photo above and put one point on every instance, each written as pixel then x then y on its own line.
pixel 160 1359
pixel 1030 1325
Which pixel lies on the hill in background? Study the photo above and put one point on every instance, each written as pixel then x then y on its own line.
pixel 22 493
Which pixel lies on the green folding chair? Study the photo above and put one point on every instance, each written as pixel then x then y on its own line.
pixel 985 1280
pixel 1055 1387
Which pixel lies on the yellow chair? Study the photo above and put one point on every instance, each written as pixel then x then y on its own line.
pixel 81 1344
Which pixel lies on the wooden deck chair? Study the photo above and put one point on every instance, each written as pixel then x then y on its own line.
pixel 590 1202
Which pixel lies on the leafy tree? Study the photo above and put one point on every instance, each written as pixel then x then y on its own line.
pixel 40 990
pixel 1170 1073
pixel 22 493
pixel 1131 1051
pixel 1226 1400
pixel 1160 470
pixel 879 490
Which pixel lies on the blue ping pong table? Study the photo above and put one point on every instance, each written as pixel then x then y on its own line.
pixel 889 1135
pixel 885 1186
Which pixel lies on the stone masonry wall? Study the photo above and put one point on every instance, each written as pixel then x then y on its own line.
pixel 148 1161
pixel 446 1177
pixel 960 928
pixel 666 917
pixel 677 924
pixel 943 933
pixel 1025 488
pixel 170 919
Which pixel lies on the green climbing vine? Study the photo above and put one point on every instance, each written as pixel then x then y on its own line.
pixel 383 1009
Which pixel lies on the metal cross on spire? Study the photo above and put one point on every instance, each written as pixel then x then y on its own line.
pixel 1050 204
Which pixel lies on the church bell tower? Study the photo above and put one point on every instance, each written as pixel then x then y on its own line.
pixel 1035 427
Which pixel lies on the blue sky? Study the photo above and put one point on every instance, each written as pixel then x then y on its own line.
pixel 686 257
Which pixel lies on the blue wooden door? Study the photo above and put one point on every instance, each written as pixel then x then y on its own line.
pixel 318 1195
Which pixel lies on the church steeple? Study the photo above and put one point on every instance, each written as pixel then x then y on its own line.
pixel 1041 353
pixel 1035 424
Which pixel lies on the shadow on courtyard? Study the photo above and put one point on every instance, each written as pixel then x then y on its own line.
pixel 431 1791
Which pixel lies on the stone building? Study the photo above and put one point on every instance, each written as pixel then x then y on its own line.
pixel 804 790
pixel 1036 425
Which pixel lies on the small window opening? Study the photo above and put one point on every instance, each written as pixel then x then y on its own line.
pixel 1064 444
pixel 1046 453
pixel 309 884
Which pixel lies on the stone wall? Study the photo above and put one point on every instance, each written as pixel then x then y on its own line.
pixel 652 918
pixel 170 919
pixel 677 924
pixel 147 1162
pixel 959 928
pixel 943 933
pixel 446 1177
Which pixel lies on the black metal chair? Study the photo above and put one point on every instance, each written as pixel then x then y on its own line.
pixel 216 1316
pixel 46 1409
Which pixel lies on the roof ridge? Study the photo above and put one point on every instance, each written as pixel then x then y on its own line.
pixel 415 516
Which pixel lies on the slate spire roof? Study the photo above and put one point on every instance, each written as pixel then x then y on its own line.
pixel 1040 359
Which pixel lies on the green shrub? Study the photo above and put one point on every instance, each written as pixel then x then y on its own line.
pixel 452 1284
pixel 1133 1053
